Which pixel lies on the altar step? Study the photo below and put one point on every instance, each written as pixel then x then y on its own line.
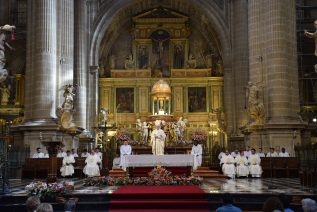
pixel 207 173
pixel 117 172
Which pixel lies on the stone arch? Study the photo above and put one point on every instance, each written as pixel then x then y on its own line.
pixel 120 11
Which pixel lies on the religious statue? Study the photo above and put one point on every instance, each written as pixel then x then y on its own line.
pixel 112 61
pixel 181 124
pixel 145 134
pixel 255 105
pixel 178 56
pixel 101 70
pixel 314 36
pixel 191 62
pixel 129 62
pixel 175 134
pixel 139 128
pixel 143 57
pixel 103 117
pixel 66 111
pixel 3 42
pixel 5 95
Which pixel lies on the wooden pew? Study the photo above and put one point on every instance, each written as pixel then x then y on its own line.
pixel 280 167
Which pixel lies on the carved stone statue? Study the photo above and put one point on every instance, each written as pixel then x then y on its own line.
pixel 103 117
pixel 129 62
pixel 191 62
pixel 313 36
pixel 138 126
pixel 3 43
pixel 145 134
pixel 101 70
pixel 66 111
pixel 255 105
pixel 181 126
pixel 112 61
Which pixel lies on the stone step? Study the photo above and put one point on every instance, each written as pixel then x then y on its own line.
pixel 203 168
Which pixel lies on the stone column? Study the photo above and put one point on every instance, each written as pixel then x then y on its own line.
pixel 240 60
pixel 40 84
pixel 80 62
pixel 65 41
pixel 93 97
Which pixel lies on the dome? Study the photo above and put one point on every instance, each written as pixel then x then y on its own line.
pixel 161 89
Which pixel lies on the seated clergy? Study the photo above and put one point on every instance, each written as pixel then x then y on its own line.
pixel 38 153
pixel 227 162
pixel 272 153
pixel 260 153
pixel 235 153
pixel 60 153
pixel 125 149
pixel 197 151
pixel 74 154
pixel 68 168
pixel 242 165
pixel 92 165
pixel 283 153
pixel 254 164
pixel 84 154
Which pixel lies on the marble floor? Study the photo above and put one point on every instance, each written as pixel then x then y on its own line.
pixel 214 185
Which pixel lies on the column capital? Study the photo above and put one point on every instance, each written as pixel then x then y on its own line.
pixel 93 70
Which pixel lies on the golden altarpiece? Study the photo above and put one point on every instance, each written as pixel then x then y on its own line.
pixel 162 44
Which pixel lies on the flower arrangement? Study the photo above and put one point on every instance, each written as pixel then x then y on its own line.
pixel 123 135
pixel 199 135
pixel 48 191
pixel 158 176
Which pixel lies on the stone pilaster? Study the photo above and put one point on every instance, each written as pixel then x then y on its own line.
pixel 80 62
pixel 40 84
pixel 93 97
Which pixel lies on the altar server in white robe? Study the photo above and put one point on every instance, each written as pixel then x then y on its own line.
pixel 227 162
pixel 125 149
pixel 60 153
pixel 272 153
pixel 84 154
pixel 38 153
pixel 158 139
pixel 92 168
pixel 197 151
pixel 254 164
pixel 68 168
pixel 97 152
pixel 242 165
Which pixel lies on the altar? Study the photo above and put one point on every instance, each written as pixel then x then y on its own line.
pixel 179 160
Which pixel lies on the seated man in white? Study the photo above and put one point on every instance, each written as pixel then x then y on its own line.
pixel 74 154
pixel 227 162
pixel 125 149
pixel 242 165
pixel 68 168
pixel 84 154
pixel 60 153
pixel 254 164
pixel 283 153
pixel 272 153
pixel 261 153
pixel 197 151
pixel 38 153
pixel 92 165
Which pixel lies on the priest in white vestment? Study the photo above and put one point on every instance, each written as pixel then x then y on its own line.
pixel 272 153
pixel 158 139
pixel 283 153
pixel 197 151
pixel 254 164
pixel 38 153
pixel 261 154
pixel 227 162
pixel 61 153
pixel 125 149
pixel 92 168
pixel 67 169
pixel 242 165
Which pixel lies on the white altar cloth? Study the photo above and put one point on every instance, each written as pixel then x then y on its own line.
pixel 154 160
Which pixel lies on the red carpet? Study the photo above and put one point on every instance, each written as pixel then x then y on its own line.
pixel 158 198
